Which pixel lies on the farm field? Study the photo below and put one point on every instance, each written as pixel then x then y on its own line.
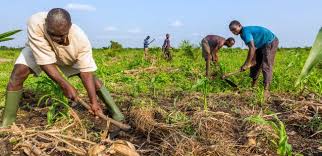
pixel 173 109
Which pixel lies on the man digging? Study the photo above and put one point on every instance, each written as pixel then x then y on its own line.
pixel 146 44
pixel 262 46
pixel 54 42
pixel 210 47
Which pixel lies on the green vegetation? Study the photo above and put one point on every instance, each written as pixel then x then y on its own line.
pixel 314 57
pixel 54 98
pixel 157 82
pixel 6 36
pixel 166 78
pixel 281 141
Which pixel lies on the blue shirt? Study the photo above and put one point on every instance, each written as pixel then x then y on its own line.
pixel 146 43
pixel 260 35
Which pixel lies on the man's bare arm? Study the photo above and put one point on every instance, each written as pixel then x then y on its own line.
pixel 250 56
pixel 215 55
pixel 52 71
pixel 88 81
pixel 207 65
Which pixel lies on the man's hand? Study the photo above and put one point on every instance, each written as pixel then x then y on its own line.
pixel 215 62
pixel 88 81
pixel 96 108
pixel 245 66
pixel 69 91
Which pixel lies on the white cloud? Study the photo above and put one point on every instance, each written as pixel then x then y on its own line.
pixel 110 28
pixel 80 7
pixel 134 30
pixel 177 23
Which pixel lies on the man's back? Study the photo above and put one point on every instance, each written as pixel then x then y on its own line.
pixel 214 40
pixel 259 35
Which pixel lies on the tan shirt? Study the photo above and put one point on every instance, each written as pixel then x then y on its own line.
pixel 77 54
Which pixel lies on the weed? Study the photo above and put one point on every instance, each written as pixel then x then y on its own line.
pixel 283 147
pixel 315 124
pixel 203 84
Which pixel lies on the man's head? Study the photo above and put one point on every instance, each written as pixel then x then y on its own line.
pixel 167 36
pixel 148 37
pixel 58 23
pixel 230 42
pixel 235 27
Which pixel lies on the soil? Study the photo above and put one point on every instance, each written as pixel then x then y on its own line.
pixel 221 130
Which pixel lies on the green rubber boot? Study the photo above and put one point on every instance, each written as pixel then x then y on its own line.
pixel 10 111
pixel 105 96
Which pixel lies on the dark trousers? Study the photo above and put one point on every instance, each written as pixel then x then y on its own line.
pixel 265 57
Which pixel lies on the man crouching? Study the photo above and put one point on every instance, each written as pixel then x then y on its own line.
pixel 54 42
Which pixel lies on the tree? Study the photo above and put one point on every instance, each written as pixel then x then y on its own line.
pixel 115 45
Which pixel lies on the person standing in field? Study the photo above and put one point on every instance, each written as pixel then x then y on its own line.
pixel 262 46
pixel 210 47
pixel 166 47
pixel 54 43
pixel 146 44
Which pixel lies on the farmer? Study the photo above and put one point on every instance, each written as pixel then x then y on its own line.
pixel 262 46
pixel 55 43
pixel 166 47
pixel 146 44
pixel 210 47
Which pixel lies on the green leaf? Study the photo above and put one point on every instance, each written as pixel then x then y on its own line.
pixel 315 56
pixel 9 33
pixel 5 39
pixel 200 83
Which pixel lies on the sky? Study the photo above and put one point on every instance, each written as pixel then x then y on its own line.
pixel 294 22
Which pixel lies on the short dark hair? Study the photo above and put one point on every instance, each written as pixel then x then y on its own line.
pixel 59 15
pixel 234 22
pixel 230 39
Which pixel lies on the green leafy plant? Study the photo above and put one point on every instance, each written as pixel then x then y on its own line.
pixel 314 57
pixel 258 98
pixel 203 84
pixel 188 48
pixel 6 36
pixel 283 147
pixel 55 99
pixel 315 124
pixel 57 110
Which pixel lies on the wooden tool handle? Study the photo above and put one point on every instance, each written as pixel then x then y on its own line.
pixel 231 74
pixel 121 125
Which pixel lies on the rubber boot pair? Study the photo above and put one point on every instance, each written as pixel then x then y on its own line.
pixel 105 96
pixel 13 99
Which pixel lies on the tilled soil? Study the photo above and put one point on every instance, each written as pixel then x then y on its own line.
pixel 179 125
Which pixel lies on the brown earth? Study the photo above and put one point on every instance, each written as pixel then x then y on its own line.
pixel 174 127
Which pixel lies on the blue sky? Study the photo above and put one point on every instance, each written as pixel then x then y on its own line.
pixel 295 22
